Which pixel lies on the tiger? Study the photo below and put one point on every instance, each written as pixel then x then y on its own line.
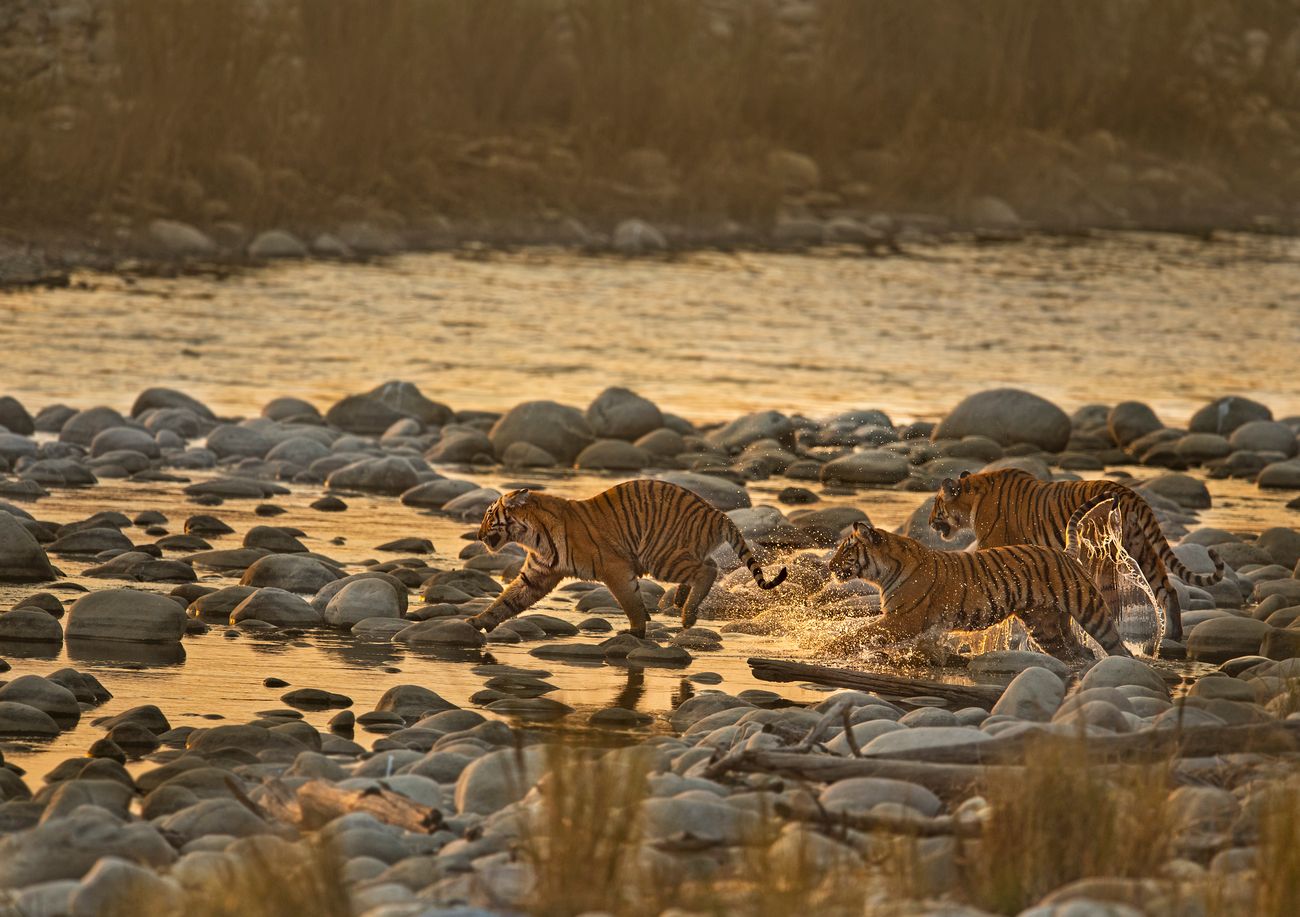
pixel 1011 506
pixel 632 529
pixel 922 588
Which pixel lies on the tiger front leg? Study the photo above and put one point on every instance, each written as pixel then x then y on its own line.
pixel 525 590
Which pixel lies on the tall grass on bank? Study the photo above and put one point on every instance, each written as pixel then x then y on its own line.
pixel 1061 819
pixel 268 111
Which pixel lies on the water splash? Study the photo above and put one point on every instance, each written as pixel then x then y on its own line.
pixel 1132 604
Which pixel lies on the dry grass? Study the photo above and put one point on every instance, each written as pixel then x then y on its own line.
pixel 1060 820
pixel 280 879
pixel 302 112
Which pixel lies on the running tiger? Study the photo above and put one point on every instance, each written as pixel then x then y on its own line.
pixel 922 588
pixel 1011 506
pixel 629 530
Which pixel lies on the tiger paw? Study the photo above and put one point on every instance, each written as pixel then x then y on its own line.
pixel 481 623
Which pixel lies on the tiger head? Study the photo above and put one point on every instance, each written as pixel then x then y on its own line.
pixel 953 505
pixel 857 554
pixel 503 522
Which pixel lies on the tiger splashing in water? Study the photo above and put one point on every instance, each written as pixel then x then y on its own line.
pixel 1011 506
pixel 632 529
pixel 922 588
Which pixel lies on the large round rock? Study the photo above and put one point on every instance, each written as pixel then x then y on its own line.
pixel 561 430
pixel 1008 415
pixel 22 559
pixel 618 413
pixel 1130 420
pixel 126 614
pixel 1224 415
pixel 866 468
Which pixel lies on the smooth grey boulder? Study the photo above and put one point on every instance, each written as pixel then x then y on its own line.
pixel 1008 416
pixel 406 399
pixel 750 428
pixel 291 572
pixel 113 881
pixel 213 816
pixel 1035 695
pixel 612 455
pixel 30 625
pixel 49 697
pixel 1131 420
pixel 617 413
pixel 361 599
pixel 82 427
pixel 559 429
pixel 277 243
pixel 879 467
pixel 23 720
pixel 123 438
pixel 498 779
pixel 859 795
pixel 1224 415
pixel 718 492
pixel 277 607
pixel 390 475
pixel 461 447
pixel 174 237
pixel 436 494
pixel 126 614
pixel 22 559
pixel 67 848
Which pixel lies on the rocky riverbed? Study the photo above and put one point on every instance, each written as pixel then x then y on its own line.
pixel 236 665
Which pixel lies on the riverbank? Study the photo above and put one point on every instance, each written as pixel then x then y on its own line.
pixel 352 746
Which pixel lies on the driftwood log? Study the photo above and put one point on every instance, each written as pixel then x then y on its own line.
pixel 319 802
pixel 890 686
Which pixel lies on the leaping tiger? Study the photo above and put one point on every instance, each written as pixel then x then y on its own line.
pixel 632 529
pixel 922 588
pixel 1011 506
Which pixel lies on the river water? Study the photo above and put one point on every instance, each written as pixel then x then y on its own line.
pixel 1163 319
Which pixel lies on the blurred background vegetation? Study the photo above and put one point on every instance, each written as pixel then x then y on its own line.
pixel 548 116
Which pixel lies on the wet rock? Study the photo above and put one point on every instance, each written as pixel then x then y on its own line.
pixel 916 739
pixel 123 438
pixel 274 539
pixel 718 492
pixel 22 559
pixel 1265 436
pixel 1034 694
pixel 90 541
pixel 174 237
pixel 859 795
pixel 535 708
pixel 660 656
pixel 23 720
pixel 1119 671
pixel 328 504
pixel 561 430
pixel 498 779
pixel 878 467
pixel 315 699
pixel 1281 544
pixel 412 701
pixel 1008 416
pixel 14 417
pixel 441 632
pixel 213 816
pixel 235 441
pixel 203 524
pixel 276 607
pixel 1183 489
pixel 146 715
pixel 363 415
pixel 291 572
pixel 471 505
pixel 435 494
pixel 1282 475
pixel 113 881
pixel 1221 639
pixel 284 409
pixel 617 413
pixel 277 243
pixel 409 545
pixel 1131 420
pixel 126 614
pixel 219 605
pixel 132 738
pixel 612 455
pixel 30 625
pixel 391 476
pixel 67 848
pixel 408 401
pixel 361 599
pixel 1225 415
pixel 526 455
pixel 50 698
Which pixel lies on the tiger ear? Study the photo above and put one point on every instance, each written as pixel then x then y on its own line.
pixel 517 498
pixel 964 475
pixel 951 487
pixel 873 535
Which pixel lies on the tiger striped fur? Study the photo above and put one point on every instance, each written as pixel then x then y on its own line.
pixel 922 588
pixel 1011 506
pixel 632 529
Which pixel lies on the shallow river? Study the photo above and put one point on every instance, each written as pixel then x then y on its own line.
pixel 1166 320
